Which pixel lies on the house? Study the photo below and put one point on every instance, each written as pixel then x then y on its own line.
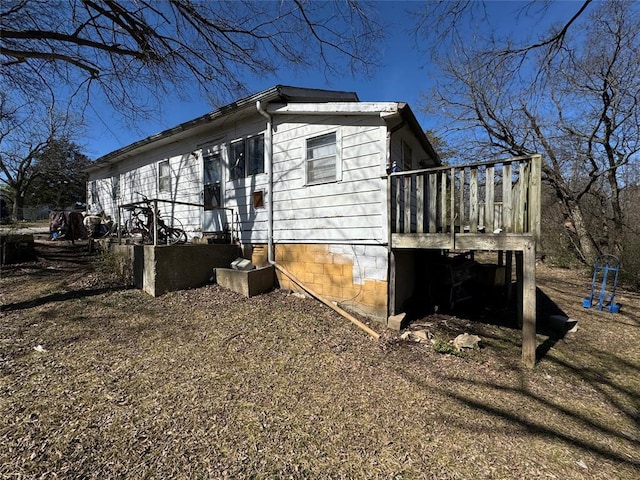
pixel 301 172
pixel 348 196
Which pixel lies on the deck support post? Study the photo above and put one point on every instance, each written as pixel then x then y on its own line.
pixel 519 288
pixel 529 305
pixel 508 274
pixel 391 307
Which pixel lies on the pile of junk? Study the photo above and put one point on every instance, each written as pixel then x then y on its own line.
pixel 67 225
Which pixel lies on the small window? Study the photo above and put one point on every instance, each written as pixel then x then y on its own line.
pixel 258 199
pixel 164 176
pixel 321 159
pixel 407 156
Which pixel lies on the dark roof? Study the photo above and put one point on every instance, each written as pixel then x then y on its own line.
pixel 279 93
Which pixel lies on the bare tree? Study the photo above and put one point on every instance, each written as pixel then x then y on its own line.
pixel 130 52
pixel 26 132
pixel 573 95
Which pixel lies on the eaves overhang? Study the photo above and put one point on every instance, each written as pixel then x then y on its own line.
pixel 280 93
pixel 406 117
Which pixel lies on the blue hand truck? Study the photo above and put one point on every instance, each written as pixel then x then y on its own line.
pixel 604 283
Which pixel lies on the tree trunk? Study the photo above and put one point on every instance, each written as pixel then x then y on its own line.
pixel 618 220
pixel 585 245
pixel 18 207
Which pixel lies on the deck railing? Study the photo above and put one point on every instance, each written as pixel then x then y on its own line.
pixel 496 197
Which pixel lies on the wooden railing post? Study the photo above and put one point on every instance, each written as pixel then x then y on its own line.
pixel 461 206
pixel 443 201
pixel 535 194
pixel 506 198
pixel 489 199
pixel 420 199
pixel 452 214
pixel 473 200
pixel 407 204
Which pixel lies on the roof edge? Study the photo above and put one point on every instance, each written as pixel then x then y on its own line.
pixel 279 92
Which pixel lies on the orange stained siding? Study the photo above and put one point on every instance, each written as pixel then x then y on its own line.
pixel 331 275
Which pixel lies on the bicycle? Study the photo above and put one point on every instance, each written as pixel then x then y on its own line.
pixel 140 224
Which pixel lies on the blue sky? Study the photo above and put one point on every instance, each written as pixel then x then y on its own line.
pixel 406 74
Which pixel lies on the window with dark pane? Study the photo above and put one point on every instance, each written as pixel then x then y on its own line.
pixel 255 160
pixel 237 160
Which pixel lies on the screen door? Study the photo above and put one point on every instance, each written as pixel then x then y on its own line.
pixel 214 218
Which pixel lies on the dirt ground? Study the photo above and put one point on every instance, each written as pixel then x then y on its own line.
pixel 98 380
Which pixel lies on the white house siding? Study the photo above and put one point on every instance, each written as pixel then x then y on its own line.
pixel 348 210
pixel 139 175
pixel 332 236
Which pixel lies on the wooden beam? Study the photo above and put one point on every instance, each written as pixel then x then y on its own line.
pixel 519 286
pixel 508 274
pixel 421 240
pixel 328 303
pixel 529 306
pixel 488 241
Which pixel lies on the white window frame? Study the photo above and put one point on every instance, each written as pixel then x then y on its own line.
pixel 161 177
pixel 338 157
pixel 246 150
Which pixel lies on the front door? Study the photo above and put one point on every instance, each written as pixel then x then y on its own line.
pixel 214 218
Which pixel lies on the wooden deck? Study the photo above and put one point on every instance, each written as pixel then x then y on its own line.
pixel 491 206
pixel 482 206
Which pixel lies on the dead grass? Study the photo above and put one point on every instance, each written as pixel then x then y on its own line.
pixel 207 384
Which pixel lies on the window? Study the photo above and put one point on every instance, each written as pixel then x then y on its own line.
pixel 247 157
pixel 237 158
pixel 164 176
pixel 115 187
pixel 322 159
pixel 255 158
pixel 258 199
pixel 407 156
pixel 93 190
